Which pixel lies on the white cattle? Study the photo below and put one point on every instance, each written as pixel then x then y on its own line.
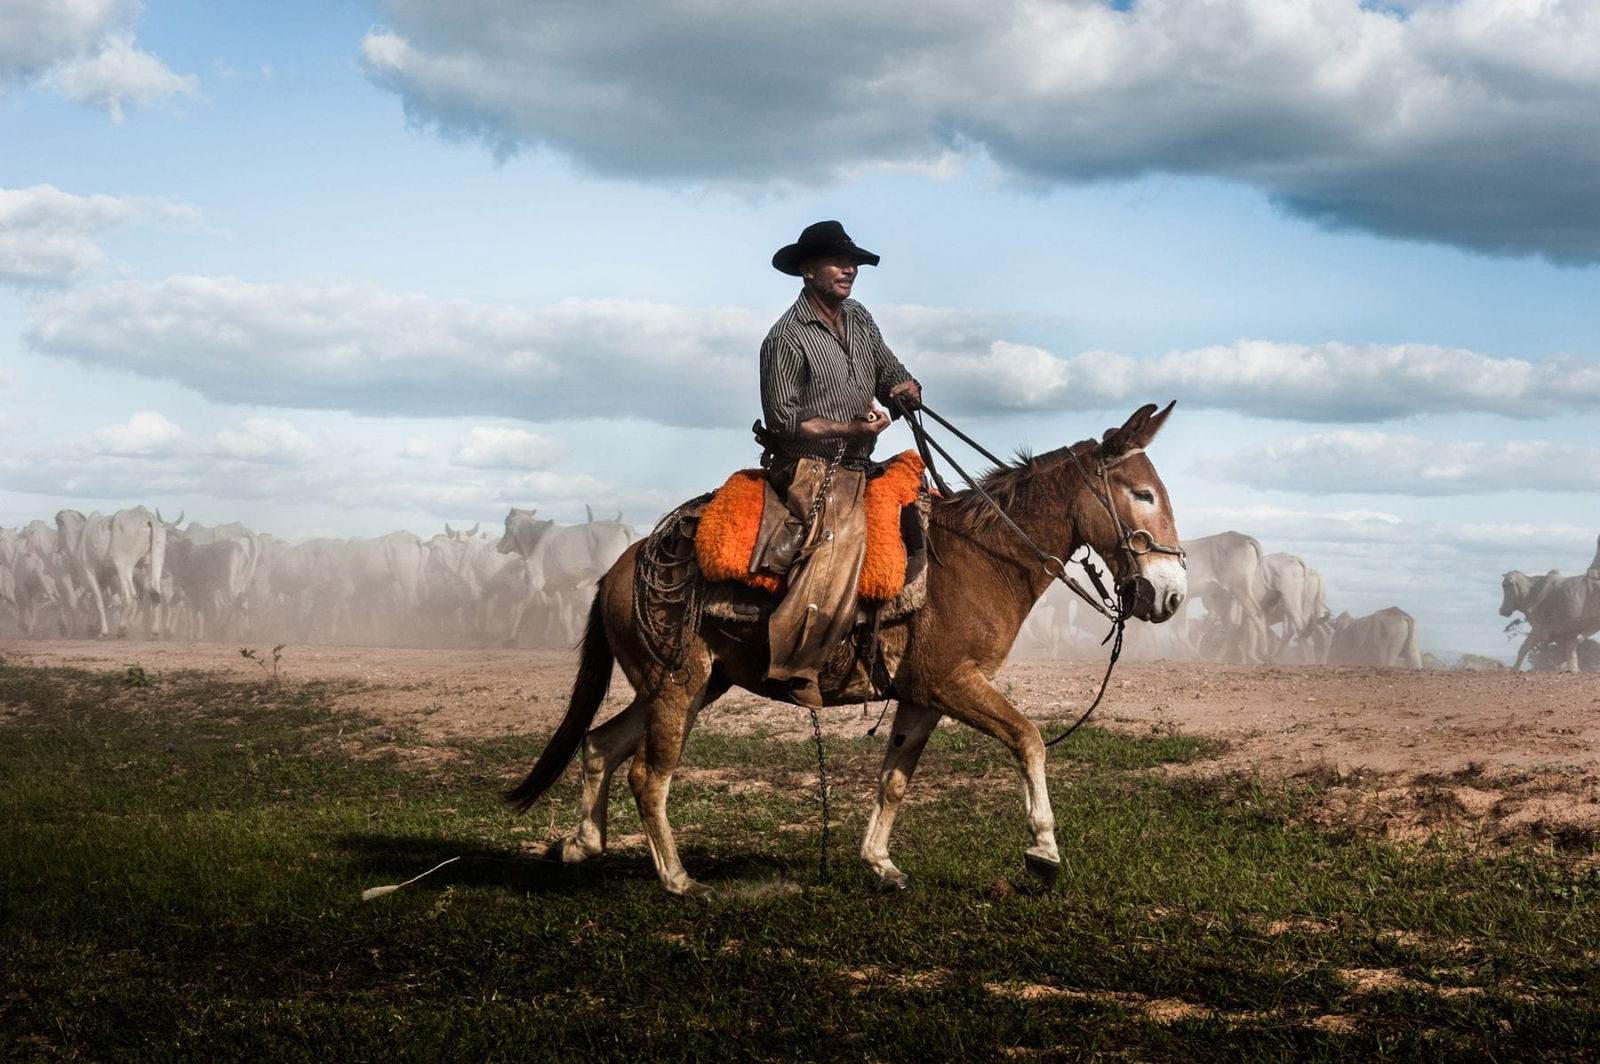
pixel 122 555
pixel 564 561
pixel 211 579
pixel 1320 636
pixel 1225 577
pixel 69 549
pixel 32 578
pixel 301 590
pixel 34 590
pixel 10 549
pixel 254 543
pixel 380 585
pixel 481 591
pixel 1561 611
pixel 1048 630
pixel 1294 597
pixel 1385 639
pixel 564 557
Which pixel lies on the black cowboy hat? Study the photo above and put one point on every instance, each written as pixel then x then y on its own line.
pixel 816 240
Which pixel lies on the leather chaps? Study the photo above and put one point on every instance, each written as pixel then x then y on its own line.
pixel 818 610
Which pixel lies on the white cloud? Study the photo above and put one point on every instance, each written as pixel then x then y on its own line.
pixel 266 465
pixel 1323 382
pixel 261 439
pixel 334 344
pixel 146 433
pixel 496 448
pixel 1475 123
pixel 37 34
pixel 1376 463
pixel 419 447
pixel 84 50
pixel 47 235
pixel 119 75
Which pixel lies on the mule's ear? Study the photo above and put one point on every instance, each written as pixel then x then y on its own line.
pixel 1142 427
pixel 1137 432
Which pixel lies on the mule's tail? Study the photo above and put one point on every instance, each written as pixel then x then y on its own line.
pixel 588 691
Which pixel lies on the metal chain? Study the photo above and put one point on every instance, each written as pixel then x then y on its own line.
pixel 822 792
pixel 816 719
pixel 823 489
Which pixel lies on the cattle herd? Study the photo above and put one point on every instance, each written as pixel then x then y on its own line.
pixel 133 572
pixel 1248 606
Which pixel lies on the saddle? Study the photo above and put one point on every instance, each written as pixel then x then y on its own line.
pixel 746 533
pixel 702 560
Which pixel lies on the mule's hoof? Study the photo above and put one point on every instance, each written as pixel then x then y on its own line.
pixel 894 884
pixel 695 891
pixel 1044 870
pixel 566 851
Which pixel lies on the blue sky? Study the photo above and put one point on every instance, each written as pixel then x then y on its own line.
pixel 341 268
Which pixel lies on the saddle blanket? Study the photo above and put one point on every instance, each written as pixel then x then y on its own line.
pixel 726 537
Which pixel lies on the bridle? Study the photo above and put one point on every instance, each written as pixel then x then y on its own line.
pixel 1132 543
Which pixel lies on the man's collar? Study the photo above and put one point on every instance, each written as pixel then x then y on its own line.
pixel 808 311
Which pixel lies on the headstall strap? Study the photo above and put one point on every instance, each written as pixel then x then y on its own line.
pixel 1108 606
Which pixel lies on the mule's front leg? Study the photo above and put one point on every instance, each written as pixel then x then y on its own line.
pixel 913 724
pixel 973 700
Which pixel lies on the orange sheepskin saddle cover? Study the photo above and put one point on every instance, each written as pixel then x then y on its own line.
pixel 726 538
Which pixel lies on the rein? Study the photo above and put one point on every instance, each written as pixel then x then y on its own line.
pixel 1132 542
pixel 1105 604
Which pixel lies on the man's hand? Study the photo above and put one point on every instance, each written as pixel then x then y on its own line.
pixel 874 421
pixel 908 392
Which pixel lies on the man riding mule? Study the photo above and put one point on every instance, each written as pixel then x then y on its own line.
pixel 822 365
pixel 991 554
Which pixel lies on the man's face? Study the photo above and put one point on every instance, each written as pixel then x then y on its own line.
pixel 830 278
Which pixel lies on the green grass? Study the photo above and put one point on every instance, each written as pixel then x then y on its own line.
pixel 185 858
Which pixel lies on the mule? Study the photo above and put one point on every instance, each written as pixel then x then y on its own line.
pixel 941 659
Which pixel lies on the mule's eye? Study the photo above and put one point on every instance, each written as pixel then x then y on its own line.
pixel 1144 496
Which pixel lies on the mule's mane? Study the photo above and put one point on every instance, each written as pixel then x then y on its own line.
pixel 1003 485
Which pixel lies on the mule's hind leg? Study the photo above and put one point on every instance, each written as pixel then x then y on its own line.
pixel 671 713
pixel 604 748
pixel 913 724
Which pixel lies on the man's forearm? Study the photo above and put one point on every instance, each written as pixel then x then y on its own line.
pixel 822 428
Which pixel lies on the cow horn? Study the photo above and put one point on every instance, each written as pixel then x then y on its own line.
pixel 590 511
pixel 473 531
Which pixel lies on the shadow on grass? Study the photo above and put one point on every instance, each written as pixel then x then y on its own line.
pixel 388 859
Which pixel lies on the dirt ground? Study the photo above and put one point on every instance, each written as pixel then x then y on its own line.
pixel 1504 757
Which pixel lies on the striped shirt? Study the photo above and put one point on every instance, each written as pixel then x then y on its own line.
pixel 806 373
